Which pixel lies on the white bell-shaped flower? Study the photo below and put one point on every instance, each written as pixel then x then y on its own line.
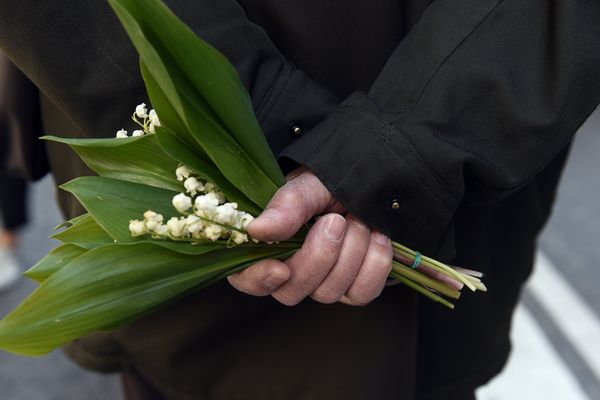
pixel 182 172
pixel 121 133
pixel 213 232
pixel 193 185
pixel 152 220
pixel 137 133
pixel 177 227
pixel 226 214
pixel 206 205
pixel 194 224
pixel 141 111
pixel 239 237
pixel 137 228
pixel 182 203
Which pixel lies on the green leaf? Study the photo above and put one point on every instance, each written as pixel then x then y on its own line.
pixel 190 154
pixel 85 232
pixel 139 159
pixel 127 282
pixel 55 260
pixel 113 203
pixel 182 153
pixel 225 152
pixel 211 74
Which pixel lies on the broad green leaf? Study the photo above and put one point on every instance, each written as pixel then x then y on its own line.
pixel 113 203
pixel 139 159
pixel 182 153
pixel 127 282
pixel 71 222
pixel 211 74
pixel 85 233
pixel 55 260
pixel 192 154
pixel 226 153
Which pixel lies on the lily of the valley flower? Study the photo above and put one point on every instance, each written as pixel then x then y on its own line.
pixel 141 111
pixel 137 228
pixel 121 133
pixel 182 203
pixel 154 121
pixel 213 218
pixel 193 186
pixel 182 172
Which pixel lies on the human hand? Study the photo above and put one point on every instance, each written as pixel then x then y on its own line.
pixel 341 259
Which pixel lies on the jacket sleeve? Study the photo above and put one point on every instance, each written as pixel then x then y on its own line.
pixel 81 59
pixel 475 101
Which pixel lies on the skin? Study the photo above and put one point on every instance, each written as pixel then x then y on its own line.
pixel 342 259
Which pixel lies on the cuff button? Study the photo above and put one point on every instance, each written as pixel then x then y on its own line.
pixel 395 204
pixel 296 129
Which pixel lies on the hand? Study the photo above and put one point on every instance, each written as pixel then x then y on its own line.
pixel 341 259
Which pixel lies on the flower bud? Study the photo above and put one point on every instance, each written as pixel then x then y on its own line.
pixel 137 133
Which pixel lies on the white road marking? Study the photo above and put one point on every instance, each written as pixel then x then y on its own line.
pixel 534 371
pixel 570 312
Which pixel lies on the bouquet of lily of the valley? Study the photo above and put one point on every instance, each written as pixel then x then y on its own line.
pixel 168 211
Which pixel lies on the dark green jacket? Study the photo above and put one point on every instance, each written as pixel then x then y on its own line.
pixel 460 110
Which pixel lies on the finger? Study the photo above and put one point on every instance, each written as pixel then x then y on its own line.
pixel 350 259
pixel 292 206
pixel 262 278
pixel 312 263
pixel 373 273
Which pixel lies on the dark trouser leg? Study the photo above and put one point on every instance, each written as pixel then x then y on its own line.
pixel 13 209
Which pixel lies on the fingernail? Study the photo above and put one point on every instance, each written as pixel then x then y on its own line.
pixel 271 214
pixel 381 238
pixel 272 282
pixel 335 228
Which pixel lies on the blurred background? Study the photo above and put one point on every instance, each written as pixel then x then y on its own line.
pixel 556 330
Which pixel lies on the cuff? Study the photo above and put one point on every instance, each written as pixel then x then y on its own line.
pixel 374 171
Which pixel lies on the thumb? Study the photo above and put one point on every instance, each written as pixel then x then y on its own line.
pixel 293 205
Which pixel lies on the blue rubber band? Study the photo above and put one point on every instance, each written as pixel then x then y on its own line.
pixel 417 261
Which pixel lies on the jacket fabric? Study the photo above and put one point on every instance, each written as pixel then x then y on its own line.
pixel 461 111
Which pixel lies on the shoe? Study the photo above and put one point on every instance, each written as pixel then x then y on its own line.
pixel 9 268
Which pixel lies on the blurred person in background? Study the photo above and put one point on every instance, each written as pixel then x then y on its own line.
pixel 13 216
pixel 20 159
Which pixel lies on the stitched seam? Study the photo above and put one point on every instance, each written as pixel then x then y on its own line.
pixel 390 130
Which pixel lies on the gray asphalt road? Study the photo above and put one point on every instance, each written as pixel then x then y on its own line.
pixel 52 377
pixel 570 240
